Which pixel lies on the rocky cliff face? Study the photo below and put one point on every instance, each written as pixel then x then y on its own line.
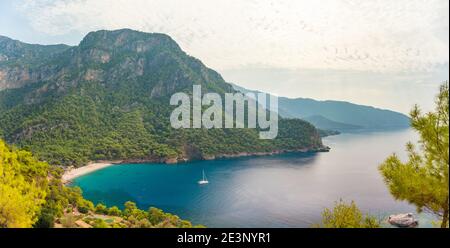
pixel 12 77
pixel 22 64
pixel 106 56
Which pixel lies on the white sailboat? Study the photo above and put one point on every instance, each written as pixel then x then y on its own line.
pixel 204 180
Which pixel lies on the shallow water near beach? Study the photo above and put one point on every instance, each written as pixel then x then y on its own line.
pixel 289 190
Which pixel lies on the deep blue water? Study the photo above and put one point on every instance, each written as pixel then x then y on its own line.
pixel 287 190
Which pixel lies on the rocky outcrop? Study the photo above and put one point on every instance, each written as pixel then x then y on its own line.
pixel 22 63
pixel 403 220
pixel 12 77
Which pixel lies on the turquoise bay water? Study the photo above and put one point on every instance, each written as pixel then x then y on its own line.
pixel 287 190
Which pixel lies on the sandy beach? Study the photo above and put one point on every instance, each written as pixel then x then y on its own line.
pixel 94 166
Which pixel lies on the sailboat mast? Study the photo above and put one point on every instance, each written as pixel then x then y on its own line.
pixel 204 180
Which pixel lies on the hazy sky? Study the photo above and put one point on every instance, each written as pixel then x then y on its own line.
pixel 389 54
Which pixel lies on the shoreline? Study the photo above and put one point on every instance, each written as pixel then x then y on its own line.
pixel 73 173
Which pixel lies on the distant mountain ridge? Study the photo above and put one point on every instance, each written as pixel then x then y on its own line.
pixel 327 124
pixel 338 115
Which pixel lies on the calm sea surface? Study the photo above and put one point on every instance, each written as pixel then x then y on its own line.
pixel 287 190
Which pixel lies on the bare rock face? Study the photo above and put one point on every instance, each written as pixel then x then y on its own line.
pixel 403 220
pixel 22 63
pixel 92 75
pixel 171 160
pixel 3 58
pixel 12 77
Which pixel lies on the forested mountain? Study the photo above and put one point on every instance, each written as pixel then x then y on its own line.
pixel 108 98
pixel 338 115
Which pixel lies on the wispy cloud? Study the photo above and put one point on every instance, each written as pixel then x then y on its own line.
pixel 384 35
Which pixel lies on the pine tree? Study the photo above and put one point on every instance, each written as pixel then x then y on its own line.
pixel 345 215
pixel 22 187
pixel 423 179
